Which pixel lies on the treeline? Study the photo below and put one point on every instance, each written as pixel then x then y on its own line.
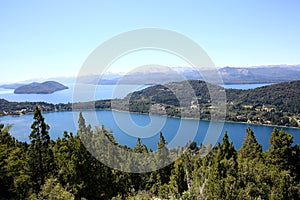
pixel 64 169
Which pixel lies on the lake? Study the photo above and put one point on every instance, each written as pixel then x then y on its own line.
pixel 101 92
pixel 66 96
pixel 118 123
pixel 122 124
pixel 245 86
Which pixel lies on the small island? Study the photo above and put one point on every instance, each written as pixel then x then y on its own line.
pixel 47 87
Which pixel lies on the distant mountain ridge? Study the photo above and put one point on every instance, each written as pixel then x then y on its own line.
pixel 229 75
pixel 47 87
pixel 163 75
pixel 260 74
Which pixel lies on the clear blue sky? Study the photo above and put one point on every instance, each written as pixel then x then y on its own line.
pixel 53 38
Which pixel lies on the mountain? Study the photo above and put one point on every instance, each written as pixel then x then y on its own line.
pixel 161 75
pixel 229 75
pixel 47 87
pixel 260 74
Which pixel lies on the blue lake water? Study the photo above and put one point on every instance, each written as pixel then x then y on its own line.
pixel 118 123
pixel 245 86
pixel 85 92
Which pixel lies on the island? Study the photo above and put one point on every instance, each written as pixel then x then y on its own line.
pixel 47 87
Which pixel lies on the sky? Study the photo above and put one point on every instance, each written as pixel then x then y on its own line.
pixel 42 39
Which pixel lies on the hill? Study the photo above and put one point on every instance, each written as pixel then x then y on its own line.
pixel 47 87
pixel 276 104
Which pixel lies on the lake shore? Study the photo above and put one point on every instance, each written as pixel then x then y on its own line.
pixel 154 114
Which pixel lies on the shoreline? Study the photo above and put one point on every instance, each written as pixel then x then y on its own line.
pixel 174 117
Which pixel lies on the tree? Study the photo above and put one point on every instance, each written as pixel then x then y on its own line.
pixel 54 191
pixel 81 123
pixel 7 145
pixel 222 182
pixel 163 158
pixel 40 150
pixel 138 147
pixel 280 152
pixel 18 168
pixel 178 182
pixel 250 148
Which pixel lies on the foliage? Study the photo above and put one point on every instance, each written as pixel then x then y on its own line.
pixel 54 191
pixel 41 160
pixel 67 168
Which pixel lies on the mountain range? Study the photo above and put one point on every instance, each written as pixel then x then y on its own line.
pixel 161 75
pixel 229 75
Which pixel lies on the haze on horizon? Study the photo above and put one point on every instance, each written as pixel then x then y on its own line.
pixel 53 38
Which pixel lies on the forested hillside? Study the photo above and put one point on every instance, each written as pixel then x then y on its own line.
pixel 276 104
pixel 64 169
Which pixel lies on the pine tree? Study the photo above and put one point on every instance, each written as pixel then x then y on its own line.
pixel 250 148
pixel 138 147
pixel 7 145
pixel 222 181
pixel 53 190
pixel 40 150
pixel 18 168
pixel 163 158
pixel 178 180
pixel 280 152
pixel 163 162
pixel 81 123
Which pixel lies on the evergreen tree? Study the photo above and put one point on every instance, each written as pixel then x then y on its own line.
pixel 81 124
pixel 250 148
pixel 226 150
pixel 7 145
pixel 54 191
pixel 40 150
pixel 162 175
pixel 138 147
pixel 280 152
pixel 178 182
pixel 222 182
pixel 163 158
pixel 18 168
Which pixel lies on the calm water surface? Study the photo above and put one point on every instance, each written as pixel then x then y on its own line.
pixel 64 121
pixel 66 96
pixel 245 86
